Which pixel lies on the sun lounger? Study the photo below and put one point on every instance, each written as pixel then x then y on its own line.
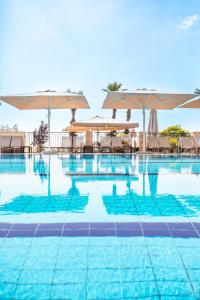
pixel 117 145
pixel 197 144
pixel 127 143
pixel 5 143
pixel 187 143
pixel 127 140
pixel 78 144
pixel 66 142
pixel 17 145
pixel 105 144
pixel 164 143
pixel 153 143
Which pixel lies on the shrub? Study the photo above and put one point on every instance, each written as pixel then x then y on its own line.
pixel 40 135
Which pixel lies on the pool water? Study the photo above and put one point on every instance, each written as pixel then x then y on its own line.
pixel 99 227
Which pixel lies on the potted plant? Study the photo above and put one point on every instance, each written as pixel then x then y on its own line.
pixel 40 136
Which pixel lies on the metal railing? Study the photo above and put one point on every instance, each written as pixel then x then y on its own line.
pixel 135 140
pixel 57 138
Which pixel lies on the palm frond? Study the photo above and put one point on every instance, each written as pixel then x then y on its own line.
pixel 197 91
pixel 113 87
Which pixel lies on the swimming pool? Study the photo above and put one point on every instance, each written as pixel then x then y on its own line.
pixel 99 227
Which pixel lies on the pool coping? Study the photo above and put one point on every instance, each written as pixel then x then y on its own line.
pixel 101 229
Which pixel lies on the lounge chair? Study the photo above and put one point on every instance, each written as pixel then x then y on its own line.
pixel 117 145
pixel 96 147
pixel 105 144
pixel 78 144
pixel 187 143
pixel 197 144
pixel 153 143
pixel 164 143
pixel 5 143
pixel 127 143
pixel 17 144
pixel 66 142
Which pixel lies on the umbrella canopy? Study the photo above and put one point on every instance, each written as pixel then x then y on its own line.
pixel 98 123
pixel 145 99
pixel 47 100
pixel 153 122
pixel 139 99
pixel 191 104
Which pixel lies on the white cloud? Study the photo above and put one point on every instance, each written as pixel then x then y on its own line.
pixel 188 22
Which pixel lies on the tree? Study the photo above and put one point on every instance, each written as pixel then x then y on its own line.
pixel 40 135
pixel 174 131
pixel 114 87
pixel 197 91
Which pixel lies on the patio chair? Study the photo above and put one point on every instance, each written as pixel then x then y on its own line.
pixel 127 143
pixel 197 144
pixel 163 143
pixel 117 145
pixel 78 144
pixel 153 143
pixel 5 142
pixel 105 144
pixel 17 144
pixel 66 143
pixel 187 143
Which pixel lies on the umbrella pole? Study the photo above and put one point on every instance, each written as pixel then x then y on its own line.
pixel 49 178
pixel 144 131
pixel 49 120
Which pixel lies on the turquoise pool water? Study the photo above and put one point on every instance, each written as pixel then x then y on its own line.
pixel 99 227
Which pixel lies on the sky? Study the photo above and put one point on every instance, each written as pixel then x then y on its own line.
pixel 86 44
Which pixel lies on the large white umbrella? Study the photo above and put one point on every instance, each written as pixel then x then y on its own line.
pixel 47 100
pixel 194 103
pixel 153 122
pixel 102 123
pixel 98 124
pixel 145 99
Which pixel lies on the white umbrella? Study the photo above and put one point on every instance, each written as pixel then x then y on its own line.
pixel 102 123
pixel 98 124
pixel 153 122
pixel 194 103
pixel 47 100
pixel 145 99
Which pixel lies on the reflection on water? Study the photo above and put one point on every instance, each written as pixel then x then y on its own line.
pixel 98 187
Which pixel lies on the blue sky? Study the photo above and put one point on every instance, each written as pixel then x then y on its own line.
pixel 85 44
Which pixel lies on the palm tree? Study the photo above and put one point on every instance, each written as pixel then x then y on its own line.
pixel 197 91
pixel 114 87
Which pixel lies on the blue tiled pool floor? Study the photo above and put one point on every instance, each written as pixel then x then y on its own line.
pixel 60 268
